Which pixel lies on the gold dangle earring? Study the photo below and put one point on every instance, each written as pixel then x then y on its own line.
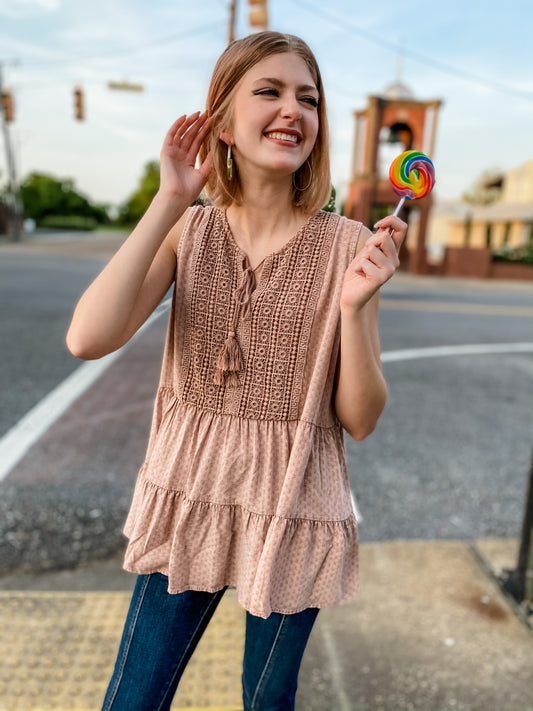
pixel 229 164
pixel 297 187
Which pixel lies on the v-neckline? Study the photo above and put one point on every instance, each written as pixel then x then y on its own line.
pixel 269 257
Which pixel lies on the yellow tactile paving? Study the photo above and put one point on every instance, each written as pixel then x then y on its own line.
pixel 57 651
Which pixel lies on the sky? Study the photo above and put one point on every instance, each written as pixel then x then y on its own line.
pixel 475 56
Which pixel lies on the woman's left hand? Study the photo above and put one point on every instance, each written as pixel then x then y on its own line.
pixel 374 264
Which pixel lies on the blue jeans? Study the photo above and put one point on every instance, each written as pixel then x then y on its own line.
pixel 162 631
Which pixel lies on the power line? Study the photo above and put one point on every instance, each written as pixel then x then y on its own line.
pixel 349 26
pixel 167 39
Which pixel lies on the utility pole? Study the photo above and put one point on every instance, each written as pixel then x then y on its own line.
pixel 524 572
pixel 519 582
pixel 232 15
pixel 13 204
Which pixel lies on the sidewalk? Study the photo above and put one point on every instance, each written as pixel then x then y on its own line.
pixel 431 630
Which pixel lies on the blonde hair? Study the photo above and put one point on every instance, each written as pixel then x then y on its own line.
pixel 313 177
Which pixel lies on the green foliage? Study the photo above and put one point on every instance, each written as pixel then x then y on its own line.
pixel 518 255
pixel 43 196
pixel 330 205
pixel 134 208
pixel 68 222
pixel 486 189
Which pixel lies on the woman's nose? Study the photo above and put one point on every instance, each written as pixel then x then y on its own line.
pixel 291 107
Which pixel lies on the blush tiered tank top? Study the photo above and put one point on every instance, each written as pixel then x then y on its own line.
pixel 244 481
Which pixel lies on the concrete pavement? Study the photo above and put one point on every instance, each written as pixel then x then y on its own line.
pixel 431 631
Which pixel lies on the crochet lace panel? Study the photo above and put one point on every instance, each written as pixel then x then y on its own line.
pixel 273 333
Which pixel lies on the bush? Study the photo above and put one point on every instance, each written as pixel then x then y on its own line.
pixel 68 222
pixel 518 255
pixel 44 196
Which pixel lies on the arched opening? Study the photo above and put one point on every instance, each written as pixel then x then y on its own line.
pixel 393 140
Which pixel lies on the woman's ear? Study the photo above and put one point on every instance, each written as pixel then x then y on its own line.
pixel 226 137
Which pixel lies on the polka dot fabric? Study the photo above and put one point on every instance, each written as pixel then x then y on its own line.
pixel 246 484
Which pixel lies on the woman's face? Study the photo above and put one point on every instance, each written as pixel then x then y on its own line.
pixel 275 117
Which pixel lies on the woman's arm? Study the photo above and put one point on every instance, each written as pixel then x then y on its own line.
pixel 361 391
pixel 130 287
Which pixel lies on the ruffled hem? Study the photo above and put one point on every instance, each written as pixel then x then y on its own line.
pixel 261 505
pixel 276 564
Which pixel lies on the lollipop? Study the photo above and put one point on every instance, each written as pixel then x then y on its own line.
pixel 412 176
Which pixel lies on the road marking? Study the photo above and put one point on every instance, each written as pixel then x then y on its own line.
pixel 355 507
pixel 446 351
pixel 343 703
pixel 30 428
pixel 455 307
pixel 18 440
pixel 443 351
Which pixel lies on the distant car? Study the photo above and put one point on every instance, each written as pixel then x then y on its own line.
pixel 29 225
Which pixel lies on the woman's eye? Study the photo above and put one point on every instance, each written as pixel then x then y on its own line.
pixel 311 100
pixel 266 92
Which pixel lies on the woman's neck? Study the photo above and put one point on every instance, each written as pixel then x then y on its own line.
pixel 265 220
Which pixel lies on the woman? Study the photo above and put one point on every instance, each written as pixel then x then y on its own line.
pixel 272 351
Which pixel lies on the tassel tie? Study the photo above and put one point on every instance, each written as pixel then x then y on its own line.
pixel 230 360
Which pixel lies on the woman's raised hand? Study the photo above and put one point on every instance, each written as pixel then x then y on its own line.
pixel 180 179
pixel 374 264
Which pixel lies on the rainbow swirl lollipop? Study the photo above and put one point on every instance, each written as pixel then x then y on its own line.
pixel 412 176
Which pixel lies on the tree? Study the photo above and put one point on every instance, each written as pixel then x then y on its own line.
pixel 134 208
pixel 43 196
pixel 330 205
pixel 486 189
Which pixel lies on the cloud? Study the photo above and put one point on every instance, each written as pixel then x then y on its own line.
pixel 27 8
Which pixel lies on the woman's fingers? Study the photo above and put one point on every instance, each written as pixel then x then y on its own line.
pixel 395 227
pixel 369 269
pixel 206 166
pixel 188 131
pixel 169 138
pixel 179 129
pixel 203 130
pixel 384 243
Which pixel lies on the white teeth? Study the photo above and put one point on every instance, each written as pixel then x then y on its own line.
pixel 283 137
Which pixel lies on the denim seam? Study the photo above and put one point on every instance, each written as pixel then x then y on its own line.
pixel 267 663
pixel 127 642
pixel 184 653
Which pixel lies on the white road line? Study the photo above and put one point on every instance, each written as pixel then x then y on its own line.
pixel 441 351
pixel 356 511
pixel 18 440
pixel 342 702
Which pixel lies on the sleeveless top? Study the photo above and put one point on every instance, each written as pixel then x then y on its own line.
pixel 245 482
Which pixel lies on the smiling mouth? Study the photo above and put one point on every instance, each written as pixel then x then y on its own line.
pixel 278 135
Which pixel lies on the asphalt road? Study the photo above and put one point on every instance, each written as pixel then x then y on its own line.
pixel 449 458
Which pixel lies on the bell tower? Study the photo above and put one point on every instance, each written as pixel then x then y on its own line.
pixel 389 125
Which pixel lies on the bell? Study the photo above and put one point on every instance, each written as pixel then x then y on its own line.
pixel 394 134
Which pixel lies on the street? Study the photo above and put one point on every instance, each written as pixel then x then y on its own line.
pixel 448 460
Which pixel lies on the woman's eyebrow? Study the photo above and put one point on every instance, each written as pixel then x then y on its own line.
pixel 278 82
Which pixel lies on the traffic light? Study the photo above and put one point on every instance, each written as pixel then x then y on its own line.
pixel 258 14
pixel 8 106
pixel 79 108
